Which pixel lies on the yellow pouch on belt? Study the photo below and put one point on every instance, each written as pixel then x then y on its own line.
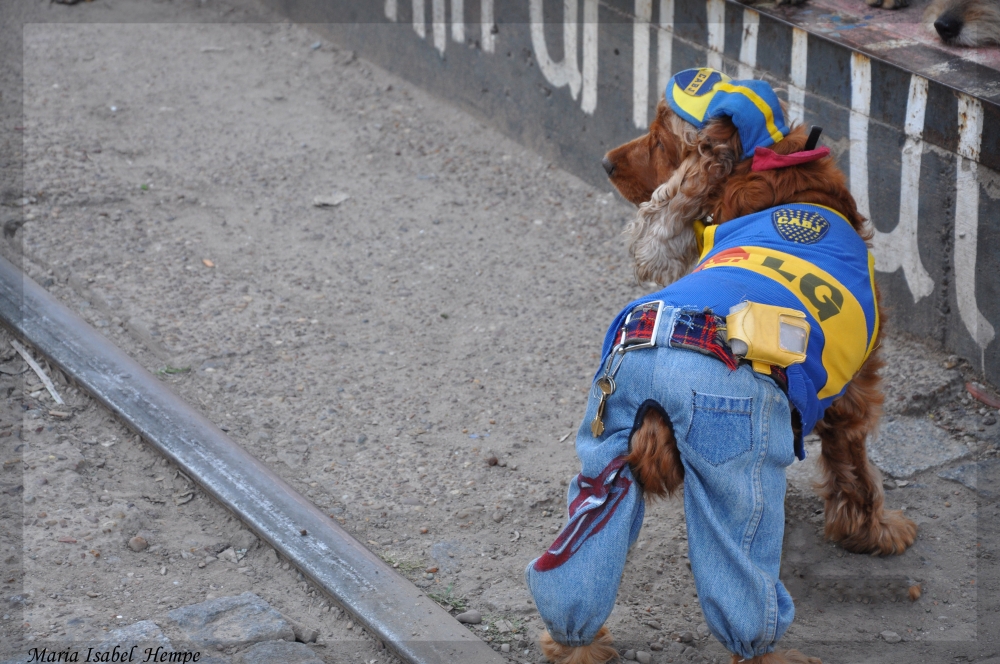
pixel 766 335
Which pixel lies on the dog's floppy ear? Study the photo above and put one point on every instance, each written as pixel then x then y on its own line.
pixel 661 236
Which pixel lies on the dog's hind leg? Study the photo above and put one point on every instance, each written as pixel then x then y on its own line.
pixel 850 484
pixel 653 455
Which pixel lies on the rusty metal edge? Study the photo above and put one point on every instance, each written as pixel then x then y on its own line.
pixel 403 617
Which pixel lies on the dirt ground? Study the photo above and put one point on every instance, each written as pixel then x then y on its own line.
pixel 375 353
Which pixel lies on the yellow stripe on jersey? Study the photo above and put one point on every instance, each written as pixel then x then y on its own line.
pixel 871 275
pixel 841 317
pixel 707 241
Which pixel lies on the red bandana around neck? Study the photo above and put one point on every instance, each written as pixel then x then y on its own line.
pixel 765 159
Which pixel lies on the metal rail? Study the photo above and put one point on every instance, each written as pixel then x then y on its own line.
pixel 409 622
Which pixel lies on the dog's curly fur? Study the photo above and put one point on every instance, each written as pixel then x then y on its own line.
pixel 677 174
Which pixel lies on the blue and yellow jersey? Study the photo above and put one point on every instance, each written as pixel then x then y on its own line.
pixel 803 256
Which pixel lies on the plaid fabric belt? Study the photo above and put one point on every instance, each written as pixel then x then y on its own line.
pixel 702 332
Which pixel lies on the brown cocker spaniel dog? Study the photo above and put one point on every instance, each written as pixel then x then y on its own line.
pixel 705 177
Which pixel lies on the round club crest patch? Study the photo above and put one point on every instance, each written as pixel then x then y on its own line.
pixel 801 226
pixel 697 82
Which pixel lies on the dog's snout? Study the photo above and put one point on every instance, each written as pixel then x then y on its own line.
pixel 609 166
pixel 948 26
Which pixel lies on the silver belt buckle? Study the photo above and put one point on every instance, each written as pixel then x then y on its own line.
pixel 641 327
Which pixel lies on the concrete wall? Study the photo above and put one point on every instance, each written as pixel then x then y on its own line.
pixel 573 78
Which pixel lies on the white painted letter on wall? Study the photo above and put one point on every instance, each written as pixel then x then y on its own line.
pixel 557 73
pixel 900 247
pixel 970 130
pixel 567 71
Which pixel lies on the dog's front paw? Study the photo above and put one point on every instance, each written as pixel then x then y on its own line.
pixel 891 534
pixel 598 651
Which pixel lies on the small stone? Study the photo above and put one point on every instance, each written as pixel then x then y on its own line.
pixel 498 516
pixel 423 530
pixel 915 592
pixel 989 420
pixel 505 648
pixel 687 637
pixel 504 626
pixel 470 617
pixel 656 646
pixel 643 657
pixel 330 201
pixel 492 460
pixel 305 634
pixel 890 637
pixel 652 623
pixel 93 594
pixel 629 655
pixel 138 544
pixel 703 630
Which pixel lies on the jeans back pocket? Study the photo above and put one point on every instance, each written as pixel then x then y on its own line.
pixel 721 427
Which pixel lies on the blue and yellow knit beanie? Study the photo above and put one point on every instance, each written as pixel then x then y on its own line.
pixel 700 95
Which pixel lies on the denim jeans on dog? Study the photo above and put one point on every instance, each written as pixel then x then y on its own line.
pixel 735 439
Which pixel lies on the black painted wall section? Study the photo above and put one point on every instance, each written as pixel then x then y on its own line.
pixel 507 89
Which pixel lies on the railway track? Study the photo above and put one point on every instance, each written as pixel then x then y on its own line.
pixel 404 618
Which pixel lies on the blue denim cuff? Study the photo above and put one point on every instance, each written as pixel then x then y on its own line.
pixel 575 582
